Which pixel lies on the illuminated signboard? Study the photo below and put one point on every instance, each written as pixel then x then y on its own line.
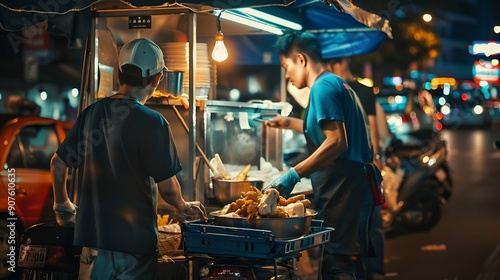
pixel 486 71
pixel 486 48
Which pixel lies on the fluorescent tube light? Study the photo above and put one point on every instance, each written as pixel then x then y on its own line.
pixel 271 18
pixel 242 20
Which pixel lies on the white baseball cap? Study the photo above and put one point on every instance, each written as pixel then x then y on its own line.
pixel 144 54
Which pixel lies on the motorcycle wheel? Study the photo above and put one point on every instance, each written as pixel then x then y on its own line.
pixel 421 213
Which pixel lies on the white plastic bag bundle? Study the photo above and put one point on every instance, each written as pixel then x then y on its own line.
pixel 392 181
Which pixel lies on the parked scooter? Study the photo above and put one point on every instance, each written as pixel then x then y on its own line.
pixel 416 183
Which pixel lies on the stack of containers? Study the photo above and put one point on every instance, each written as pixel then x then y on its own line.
pixel 176 55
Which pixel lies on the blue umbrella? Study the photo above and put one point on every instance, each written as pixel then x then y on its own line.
pixel 342 29
pixel 341 34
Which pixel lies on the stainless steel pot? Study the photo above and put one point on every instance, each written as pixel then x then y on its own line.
pixel 281 227
pixel 227 191
pixel 172 82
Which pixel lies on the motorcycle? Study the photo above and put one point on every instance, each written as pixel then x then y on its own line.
pixel 417 183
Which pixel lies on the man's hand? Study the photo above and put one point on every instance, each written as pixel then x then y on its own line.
pixel 378 162
pixel 285 183
pixel 286 123
pixel 194 208
pixel 278 122
pixel 65 213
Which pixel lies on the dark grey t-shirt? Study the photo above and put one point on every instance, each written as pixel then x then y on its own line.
pixel 366 97
pixel 121 148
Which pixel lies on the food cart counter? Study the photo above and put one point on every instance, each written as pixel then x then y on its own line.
pixel 230 129
pixel 234 131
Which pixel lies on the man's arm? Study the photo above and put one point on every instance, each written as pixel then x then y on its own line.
pixel 170 191
pixel 59 174
pixel 286 123
pixel 64 209
pixel 375 141
pixel 334 145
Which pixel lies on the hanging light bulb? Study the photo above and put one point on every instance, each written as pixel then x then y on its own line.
pixel 220 52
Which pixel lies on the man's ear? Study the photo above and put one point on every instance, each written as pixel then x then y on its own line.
pixel 156 81
pixel 302 59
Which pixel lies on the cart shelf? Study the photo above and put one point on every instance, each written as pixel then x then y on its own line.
pixel 204 237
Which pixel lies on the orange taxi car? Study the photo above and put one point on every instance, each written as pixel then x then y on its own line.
pixel 27 145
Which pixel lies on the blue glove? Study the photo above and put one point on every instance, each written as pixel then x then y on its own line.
pixel 285 183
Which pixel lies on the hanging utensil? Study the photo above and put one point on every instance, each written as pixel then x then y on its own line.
pixel 184 124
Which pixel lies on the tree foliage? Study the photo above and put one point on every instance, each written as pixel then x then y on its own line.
pixel 414 43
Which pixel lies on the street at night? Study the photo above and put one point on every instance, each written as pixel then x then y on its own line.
pixel 465 244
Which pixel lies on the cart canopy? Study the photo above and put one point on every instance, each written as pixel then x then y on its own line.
pixel 342 28
pixel 73 18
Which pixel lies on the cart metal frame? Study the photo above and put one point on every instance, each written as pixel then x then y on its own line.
pixel 205 238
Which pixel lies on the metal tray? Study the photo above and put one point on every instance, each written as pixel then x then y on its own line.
pixel 282 228
pixel 204 237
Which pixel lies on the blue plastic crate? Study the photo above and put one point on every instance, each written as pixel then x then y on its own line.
pixel 207 238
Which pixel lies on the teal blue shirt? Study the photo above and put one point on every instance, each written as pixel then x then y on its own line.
pixel 332 99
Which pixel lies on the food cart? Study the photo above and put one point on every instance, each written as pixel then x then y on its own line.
pixel 175 29
pixel 199 124
pixel 173 26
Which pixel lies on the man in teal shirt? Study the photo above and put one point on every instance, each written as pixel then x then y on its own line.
pixel 338 144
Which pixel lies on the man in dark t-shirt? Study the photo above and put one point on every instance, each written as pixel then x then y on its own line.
pixel 340 66
pixel 125 154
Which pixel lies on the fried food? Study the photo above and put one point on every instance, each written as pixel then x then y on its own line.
pixel 254 204
pixel 269 202
pixel 251 195
pixel 252 211
pixel 259 193
pixel 282 201
pixel 243 174
pixel 163 220
pixel 295 209
pixel 295 198
pixel 235 205
pixel 305 202
pixel 281 212
pixel 224 209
